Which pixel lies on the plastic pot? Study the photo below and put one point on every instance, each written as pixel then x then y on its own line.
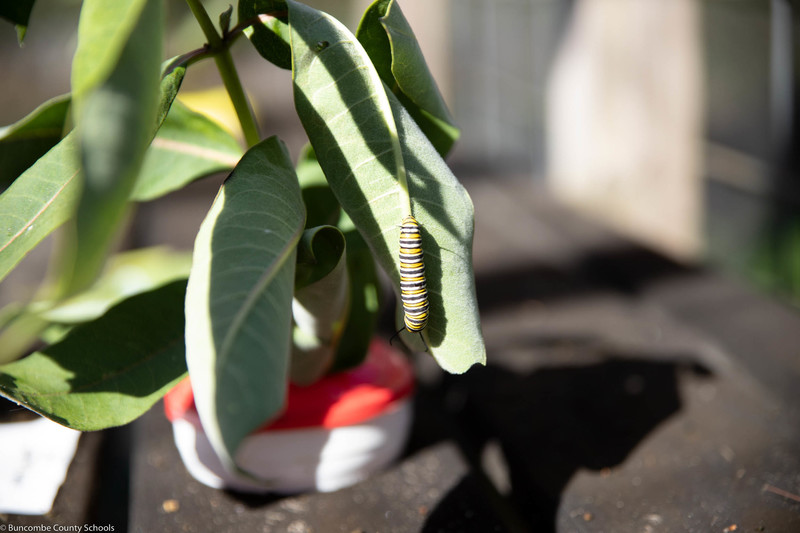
pixel 332 434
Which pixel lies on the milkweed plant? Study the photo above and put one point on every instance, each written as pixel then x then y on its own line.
pixel 282 284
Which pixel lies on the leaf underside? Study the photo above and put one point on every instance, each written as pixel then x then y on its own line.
pixel 238 304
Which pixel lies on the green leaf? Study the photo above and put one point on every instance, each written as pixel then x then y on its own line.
pixel 319 252
pixel 115 123
pixel 45 195
pixel 270 36
pixel 17 12
pixel 320 302
pixel 341 110
pixel 362 318
pixel 365 301
pixel 25 141
pixel 38 202
pixel 188 146
pixel 390 42
pixel 104 29
pixel 126 274
pixel 322 208
pixel 171 81
pixel 238 304
pixel 107 372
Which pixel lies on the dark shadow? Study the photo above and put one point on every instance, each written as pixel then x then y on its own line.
pixel 552 422
pixel 112 481
pixel 623 268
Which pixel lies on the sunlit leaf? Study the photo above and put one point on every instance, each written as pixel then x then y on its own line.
pixel 126 274
pixel 107 372
pixel 25 141
pixel 188 146
pixel 342 111
pixel 45 195
pixel 104 30
pixel 390 42
pixel 320 304
pixel 38 202
pixel 115 121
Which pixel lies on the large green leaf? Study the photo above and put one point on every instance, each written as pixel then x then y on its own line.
pixel 25 141
pixel 238 303
pixel 390 42
pixel 104 29
pixel 18 12
pixel 320 302
pixel 270 36
pixel 188 146
pixel 38 202
pixel 44 196
pixel 127 273
pixel 343 111
pixel 115 122
pixel 109 371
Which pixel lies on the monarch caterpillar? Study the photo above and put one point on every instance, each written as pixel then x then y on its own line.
pixel 413 291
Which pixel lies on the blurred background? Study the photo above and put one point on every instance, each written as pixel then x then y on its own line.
pixel 672 122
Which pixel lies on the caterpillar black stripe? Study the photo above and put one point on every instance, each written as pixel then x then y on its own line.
pixel 413 290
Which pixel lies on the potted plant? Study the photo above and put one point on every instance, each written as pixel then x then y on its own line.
pixel 281 288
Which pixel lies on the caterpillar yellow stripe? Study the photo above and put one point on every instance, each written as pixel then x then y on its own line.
pixel 413 290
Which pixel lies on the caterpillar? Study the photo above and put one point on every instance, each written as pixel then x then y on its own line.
pixel 413 290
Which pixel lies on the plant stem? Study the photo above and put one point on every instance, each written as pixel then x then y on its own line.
pixel 199 12
pixel 227 70
pixel 220 49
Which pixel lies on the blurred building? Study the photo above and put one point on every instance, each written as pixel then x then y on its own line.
pixel 673 122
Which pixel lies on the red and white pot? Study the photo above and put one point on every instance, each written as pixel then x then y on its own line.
pixel 332 434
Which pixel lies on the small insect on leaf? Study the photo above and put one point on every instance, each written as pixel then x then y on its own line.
pixel 413 288
pixel 322 45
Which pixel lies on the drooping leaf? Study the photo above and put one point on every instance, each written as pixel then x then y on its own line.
pixel 115 122
pixel 38 202
pixel 270 36
pixel 362 316
pixel 25 141
pixel 342 111
pixel 45 195
pixel 104 29
pixel 171 80
pixel 126 274
pixel 390 42
pixel 188 146
pixel 319 253
pixel 106 372
pixel 17 12
pixel 320 302
pixel 238 303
